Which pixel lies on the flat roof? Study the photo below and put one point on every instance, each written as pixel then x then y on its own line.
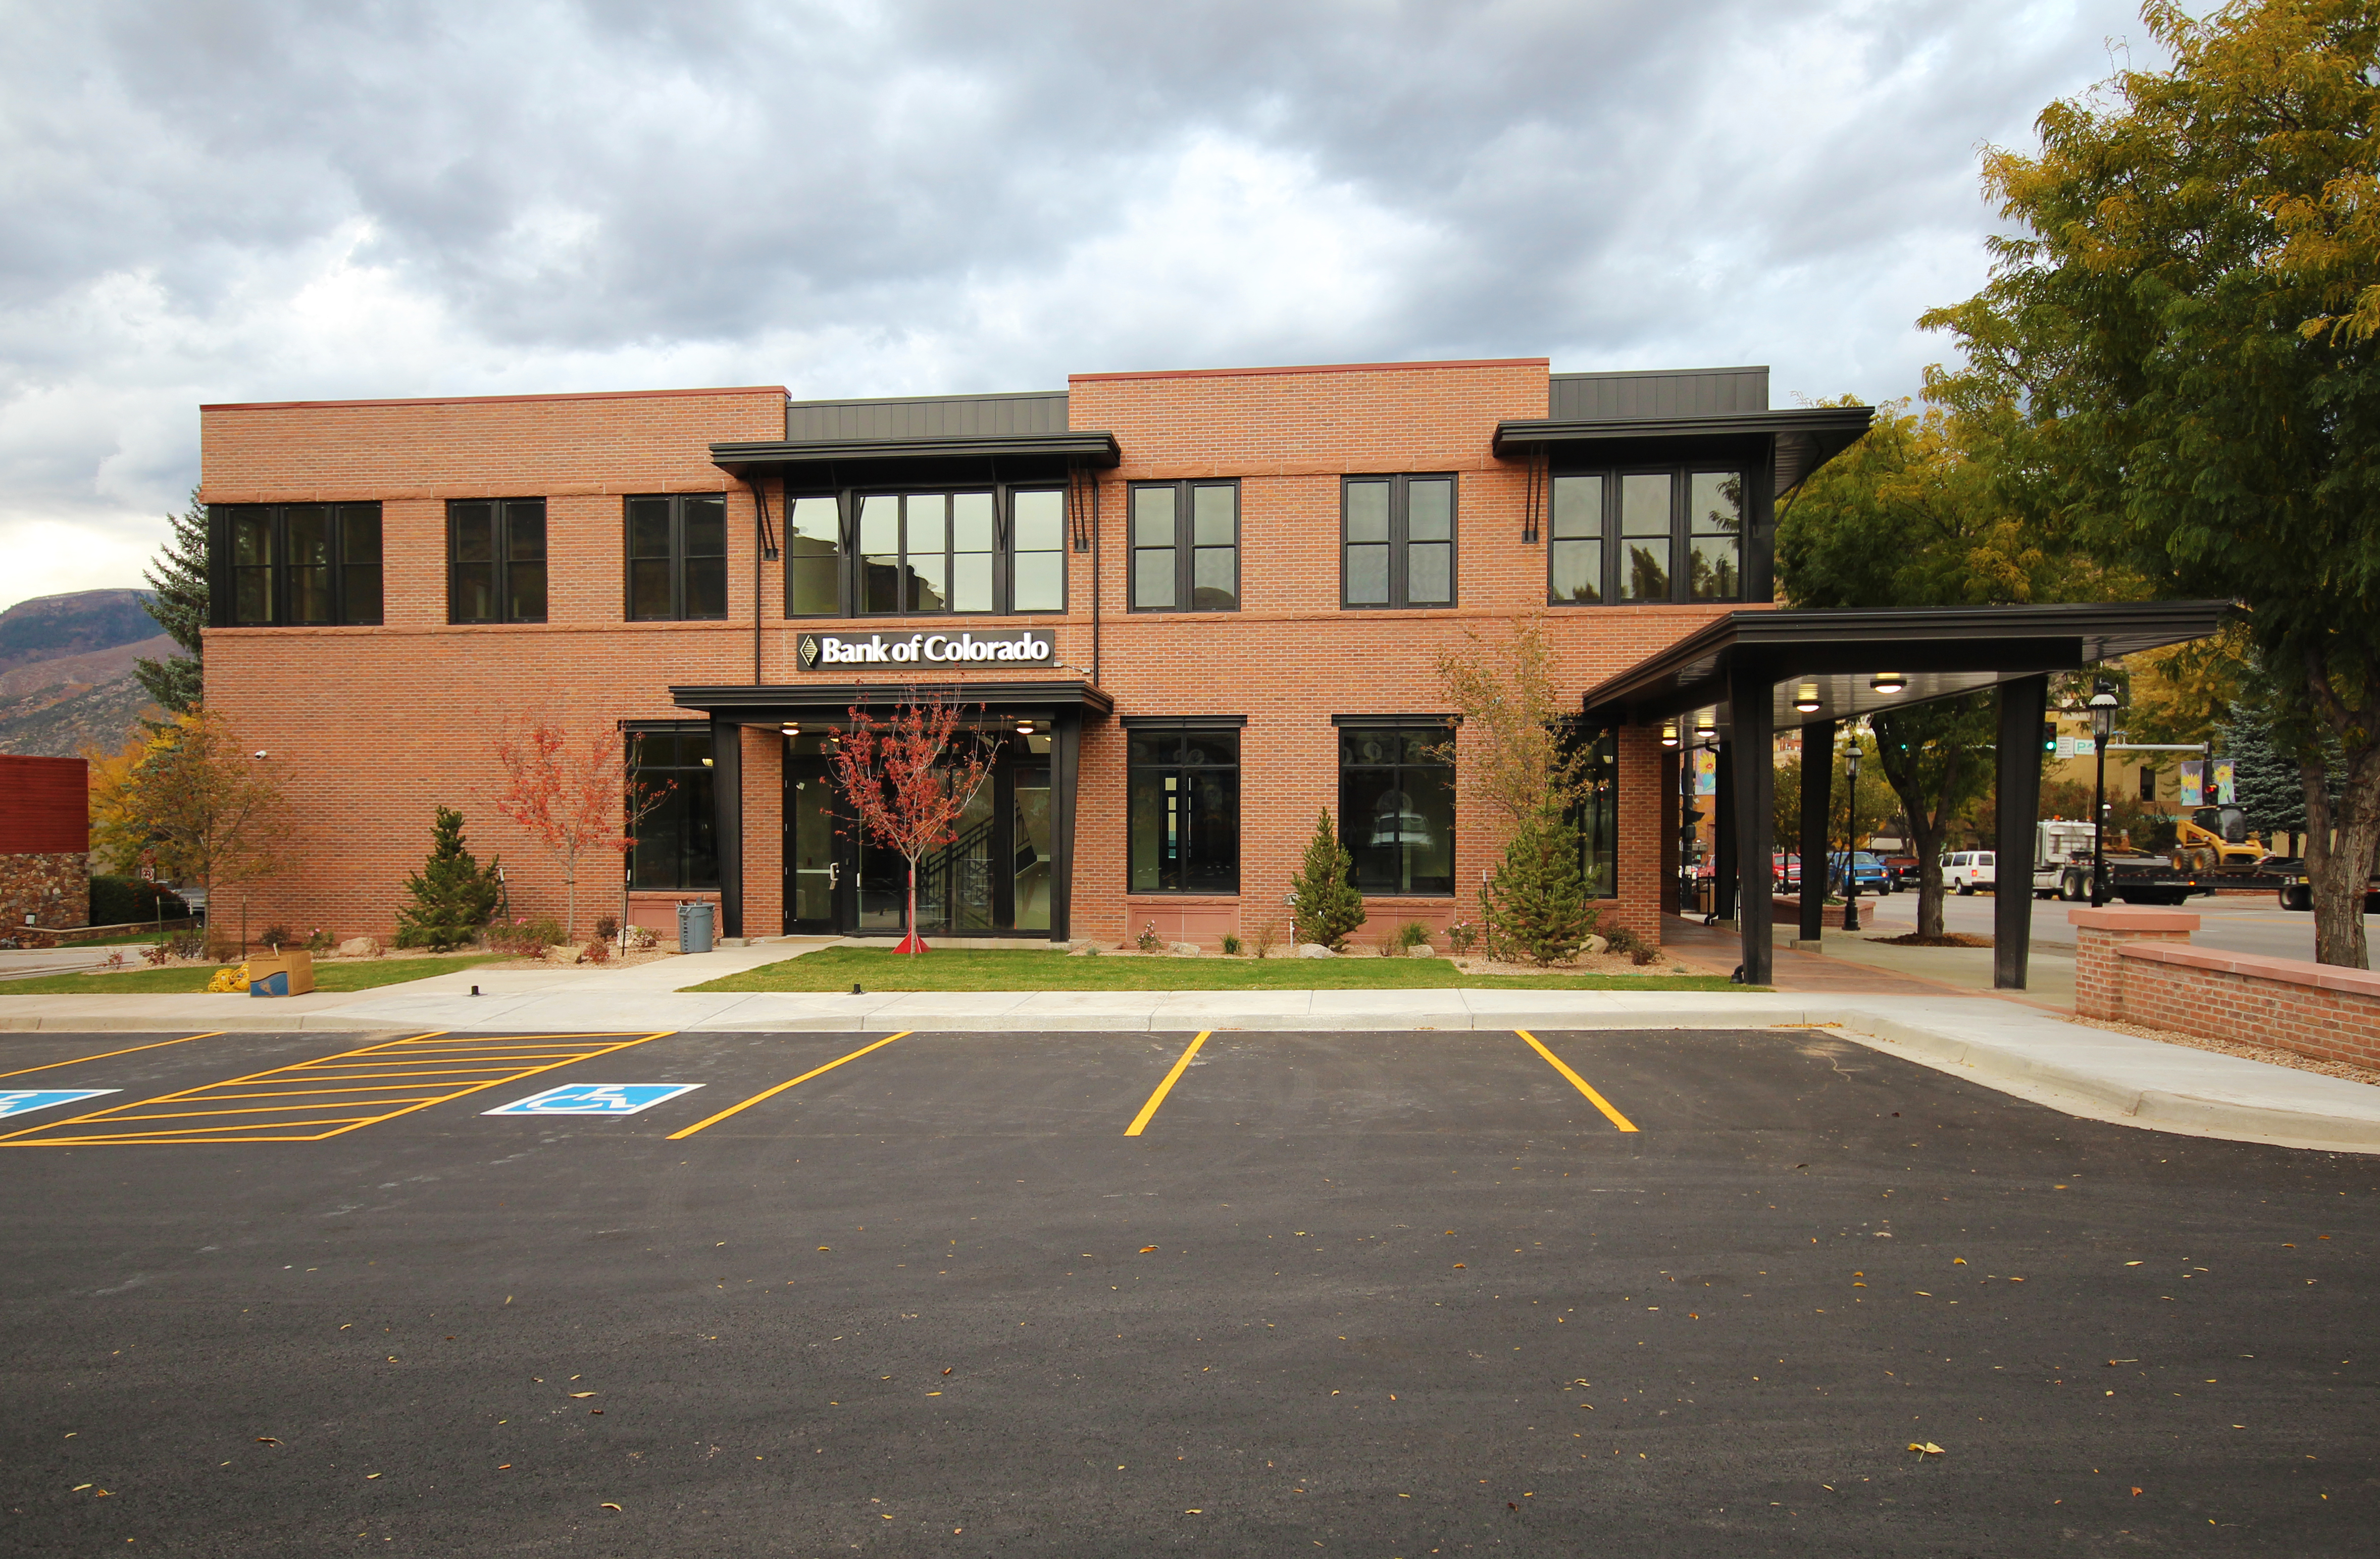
pixel 1317 367
pixel 778 390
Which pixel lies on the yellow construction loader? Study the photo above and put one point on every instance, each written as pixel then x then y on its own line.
pixel 2215 839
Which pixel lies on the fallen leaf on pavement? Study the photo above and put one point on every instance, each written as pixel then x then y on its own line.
pixel 607 1505
pixel 266 1440
pixel 1928 1449
pixel 582 1394
pixel 1146 1249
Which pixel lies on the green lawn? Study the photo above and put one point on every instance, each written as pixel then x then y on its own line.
pixel 881 969
pixel 359 976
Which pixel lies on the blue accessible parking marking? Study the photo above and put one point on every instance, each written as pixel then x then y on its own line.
pixel 596 1098
pixel 24 1101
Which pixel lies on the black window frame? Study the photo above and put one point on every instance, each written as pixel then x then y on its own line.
pixel 1400 541
pixel 1683 533
pixel 851 576
pixel 1182 733
pixel 1595 814
pixel 693 817
pixel 1185 546
pixel 504 515
pixel 678 559
pixel 347 590
pixel 1436 734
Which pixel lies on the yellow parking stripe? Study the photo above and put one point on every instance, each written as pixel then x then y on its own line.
pixel 1148 1110
pixel 772 1092
pixel 105 1054
pixel 303 1089
pixel 1598 1100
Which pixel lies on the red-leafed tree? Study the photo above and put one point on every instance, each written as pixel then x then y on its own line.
pixel 909 780
pixel 567 789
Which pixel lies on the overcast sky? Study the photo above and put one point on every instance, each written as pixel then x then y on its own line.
pixel 240 200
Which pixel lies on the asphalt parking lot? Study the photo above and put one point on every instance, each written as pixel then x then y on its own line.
pixel 1649 1292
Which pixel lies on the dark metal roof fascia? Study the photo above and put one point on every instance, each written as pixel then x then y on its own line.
pixel 740 698
pixel 1092 447
pixel 1834 425
pixel 1809 641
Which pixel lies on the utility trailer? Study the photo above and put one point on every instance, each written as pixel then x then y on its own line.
pixel 2062 869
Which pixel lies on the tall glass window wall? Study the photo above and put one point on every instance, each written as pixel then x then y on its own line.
pixel 922 553
pixel 670 801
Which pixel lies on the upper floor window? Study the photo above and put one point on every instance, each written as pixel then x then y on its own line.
pixel 914 553
pixel 495 561
pixel 1399 541
pixel 1645 535
pixel 677 557
pixel 296 563
pixel 1185 546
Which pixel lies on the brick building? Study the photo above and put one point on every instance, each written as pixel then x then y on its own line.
pixel 1197 608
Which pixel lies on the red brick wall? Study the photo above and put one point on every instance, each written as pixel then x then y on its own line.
pixel 380 725
pixel 2136 966
pixel 44 805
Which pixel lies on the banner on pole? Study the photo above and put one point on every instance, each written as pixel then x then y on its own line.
pixel 2223 781
pixel 2193 785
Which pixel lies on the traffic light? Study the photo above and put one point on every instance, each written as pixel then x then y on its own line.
pixel 2049 737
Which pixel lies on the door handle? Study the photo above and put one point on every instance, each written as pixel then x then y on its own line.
pixel 833 875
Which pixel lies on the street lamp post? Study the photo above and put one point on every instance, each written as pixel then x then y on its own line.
pixel 2103 722
pixel 1850 836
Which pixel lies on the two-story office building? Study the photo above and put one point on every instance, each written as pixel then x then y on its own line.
pixel 1196 608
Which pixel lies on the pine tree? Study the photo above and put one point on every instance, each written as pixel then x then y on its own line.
pixel 1327 907
pixel 1537 902
pixel 178 577
pixel 453 894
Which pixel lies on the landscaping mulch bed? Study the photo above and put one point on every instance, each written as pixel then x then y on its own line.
pixel 2347 1071
pixel 1947 939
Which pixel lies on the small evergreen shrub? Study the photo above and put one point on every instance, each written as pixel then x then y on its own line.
pixel 607 927
pixel 1324 906
pixel 453 894
pixel 278 935
pixel 1231 945
pixel 1536 900
pixel 1412 934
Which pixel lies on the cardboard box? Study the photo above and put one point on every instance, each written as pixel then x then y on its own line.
pixel 285 973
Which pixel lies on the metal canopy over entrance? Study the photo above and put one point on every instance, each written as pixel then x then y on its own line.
pixel 1030 803
pixel 1758 672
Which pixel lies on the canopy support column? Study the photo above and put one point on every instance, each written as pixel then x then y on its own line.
pixel 1724 841
pixel 2023 703
pixel 1818 807
pixel 1753 754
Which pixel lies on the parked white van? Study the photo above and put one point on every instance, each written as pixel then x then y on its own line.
pixel 1967 870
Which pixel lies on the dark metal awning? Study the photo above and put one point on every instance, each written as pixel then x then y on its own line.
pixel 827 704
pixel 1832 656
pixel 779 457
pixel 1827 429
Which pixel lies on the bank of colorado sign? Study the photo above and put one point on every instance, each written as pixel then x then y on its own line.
pixel 1028 648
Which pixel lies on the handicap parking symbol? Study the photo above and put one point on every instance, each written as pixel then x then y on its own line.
pixel 23 1101
pixel 596 1098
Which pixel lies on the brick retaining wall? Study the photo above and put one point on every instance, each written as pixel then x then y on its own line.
pixel 2137 966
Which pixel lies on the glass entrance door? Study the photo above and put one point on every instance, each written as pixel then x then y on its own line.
pixel 994 877
pixel 815 867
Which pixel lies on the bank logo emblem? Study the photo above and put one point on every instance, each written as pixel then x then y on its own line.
pixel 808 650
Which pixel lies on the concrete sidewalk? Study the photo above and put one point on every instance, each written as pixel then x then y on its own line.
pixel 2006 1045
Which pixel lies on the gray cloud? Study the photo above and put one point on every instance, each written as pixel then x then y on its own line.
pixel 212 199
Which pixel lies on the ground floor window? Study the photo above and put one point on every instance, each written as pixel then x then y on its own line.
pixel 676 846
pixel 1396 806
pixel 1184 811
pixel 1598 817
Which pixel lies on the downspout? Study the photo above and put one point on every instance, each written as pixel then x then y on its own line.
pixel 1095 579
pixel 764 548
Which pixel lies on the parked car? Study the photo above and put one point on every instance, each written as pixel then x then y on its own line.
pixel 1963 871
pixel 1787 869
pixel 1867 870
pixel 1902 869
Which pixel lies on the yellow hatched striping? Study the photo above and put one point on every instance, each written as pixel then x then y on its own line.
pixel 412 1074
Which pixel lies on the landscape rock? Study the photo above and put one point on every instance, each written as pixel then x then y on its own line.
pixel 1084 949
pixel 1597 945
pixel 1314 950
pixel 359 947
pixel 1182 949
pixel 1421 949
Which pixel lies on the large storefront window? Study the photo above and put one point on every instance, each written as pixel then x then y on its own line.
pixel 670 790
pixel 1396 807
pixel 1002 550
pixel 1184 811
pixel 1645 535
pixel 1598 817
